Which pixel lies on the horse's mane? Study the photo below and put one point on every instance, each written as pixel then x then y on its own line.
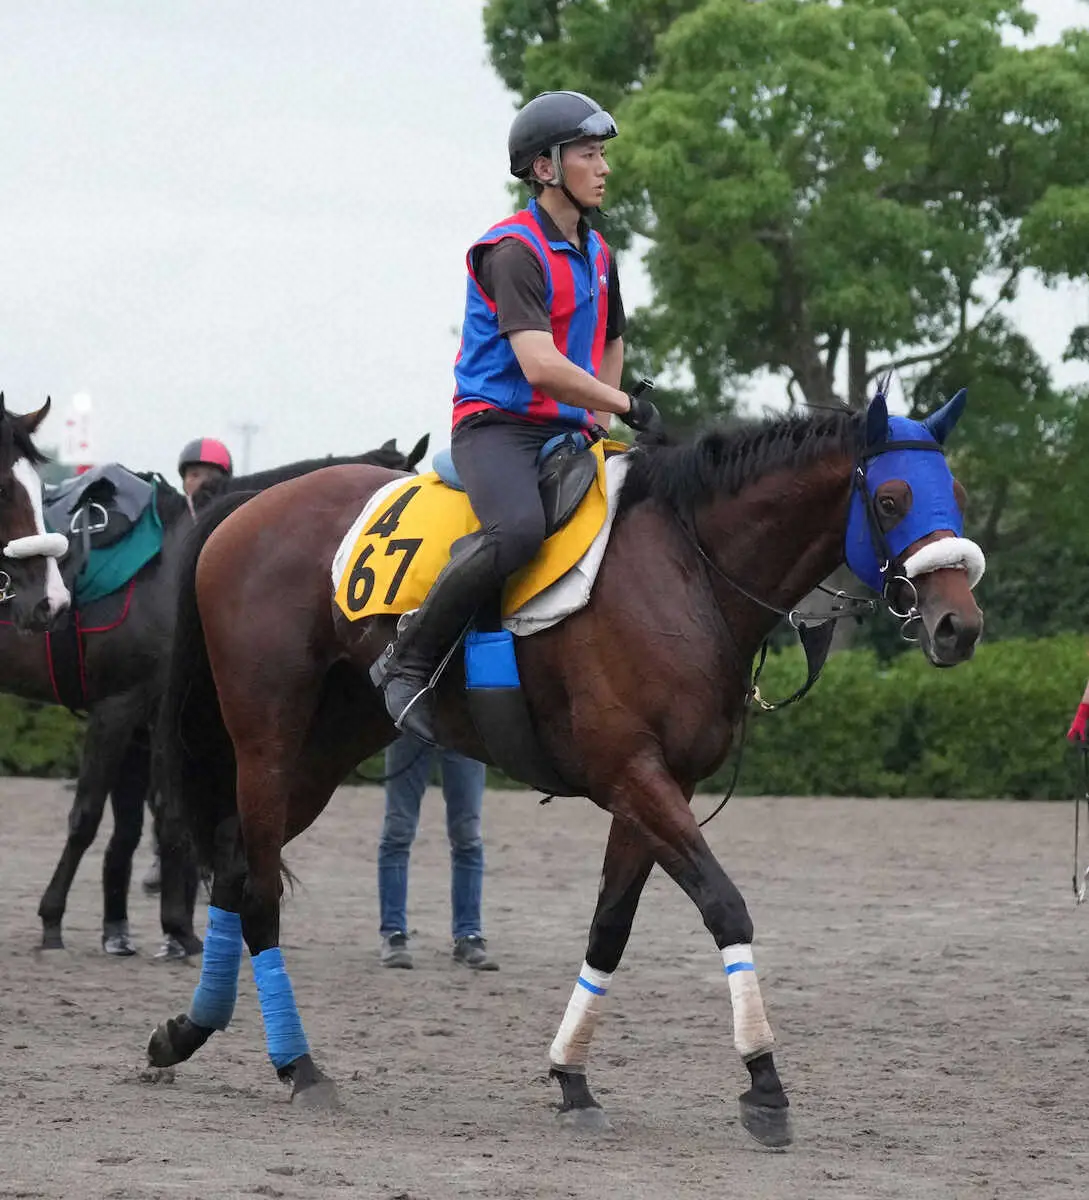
pixel 727 457
pixel 169 502
pixel 16 443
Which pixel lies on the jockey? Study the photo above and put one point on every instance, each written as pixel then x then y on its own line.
pixel 541 354
pixel 203 460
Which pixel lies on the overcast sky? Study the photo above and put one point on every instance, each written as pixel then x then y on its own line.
pixel 220 212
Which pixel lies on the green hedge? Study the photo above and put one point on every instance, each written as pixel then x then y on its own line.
pixel 992 727
pixel 38 739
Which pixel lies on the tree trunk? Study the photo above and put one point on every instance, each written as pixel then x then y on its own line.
pixel 856 372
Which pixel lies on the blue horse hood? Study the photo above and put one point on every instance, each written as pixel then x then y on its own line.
pixel 933 508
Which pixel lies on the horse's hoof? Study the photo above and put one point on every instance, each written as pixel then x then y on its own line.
pixel 769 1126
pixel 584 1120
pixel 158 1075
pixel 320 1095
pixel 175 1041
pixel 51 938
pixel 160 1049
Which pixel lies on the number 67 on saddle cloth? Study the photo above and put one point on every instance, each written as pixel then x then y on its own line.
pixel 397 546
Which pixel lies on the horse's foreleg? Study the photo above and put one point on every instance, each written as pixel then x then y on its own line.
pixel 108 734
pixel 628 863
pixel 652 799
pixel 178 883
pixel 127 800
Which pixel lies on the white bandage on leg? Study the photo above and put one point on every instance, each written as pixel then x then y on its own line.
pixel 571 1046
pixel 752 1033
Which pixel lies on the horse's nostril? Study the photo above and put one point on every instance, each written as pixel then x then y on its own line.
pixel 947 628
pixel 955 633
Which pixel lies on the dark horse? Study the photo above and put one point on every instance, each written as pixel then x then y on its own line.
pixel 635 698
pixel 30 581
pixel 123 665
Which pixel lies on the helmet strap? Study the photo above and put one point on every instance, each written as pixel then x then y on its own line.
pixel 556 154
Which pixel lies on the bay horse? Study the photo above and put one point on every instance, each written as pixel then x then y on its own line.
pixel 635 698
pixel 122 668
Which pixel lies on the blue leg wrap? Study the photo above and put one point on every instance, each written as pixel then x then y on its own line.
pixel 214 1000
pixel 283 1025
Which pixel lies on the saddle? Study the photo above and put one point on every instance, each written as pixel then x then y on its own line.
pixel 401 541
pixel 110 519
pixel 565 471
pixel 98 508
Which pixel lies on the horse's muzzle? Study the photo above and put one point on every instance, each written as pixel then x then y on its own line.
pixel 952 638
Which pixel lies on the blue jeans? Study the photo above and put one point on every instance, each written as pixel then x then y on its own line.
pixel 463 790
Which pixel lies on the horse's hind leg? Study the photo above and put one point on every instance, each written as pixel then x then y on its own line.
pixel 263 802
pixel 628 863
pixel 283 786
pixel 109 730
pixel 213 1003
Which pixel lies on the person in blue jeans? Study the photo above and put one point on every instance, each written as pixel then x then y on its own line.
pixel 409 762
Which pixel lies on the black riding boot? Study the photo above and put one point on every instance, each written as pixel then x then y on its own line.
pixel 405 670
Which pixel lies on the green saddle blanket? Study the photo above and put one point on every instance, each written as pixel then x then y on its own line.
pixel 109 568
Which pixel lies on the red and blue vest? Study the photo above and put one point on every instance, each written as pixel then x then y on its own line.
pixel 486 371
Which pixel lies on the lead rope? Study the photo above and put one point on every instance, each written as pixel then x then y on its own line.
pixel 1080 880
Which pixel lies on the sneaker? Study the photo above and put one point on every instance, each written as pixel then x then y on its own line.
pixel 473 952
pixel 394 951
pixel 117 940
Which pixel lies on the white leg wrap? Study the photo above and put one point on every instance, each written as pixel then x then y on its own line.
pixel 752 1033
pixel 571 1046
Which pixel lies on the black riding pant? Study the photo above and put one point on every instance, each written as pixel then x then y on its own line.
pixel 496 457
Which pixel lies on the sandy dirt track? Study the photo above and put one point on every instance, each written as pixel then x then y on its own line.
pixel 922 962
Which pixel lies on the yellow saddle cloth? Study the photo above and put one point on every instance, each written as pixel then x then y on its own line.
pixel 393 552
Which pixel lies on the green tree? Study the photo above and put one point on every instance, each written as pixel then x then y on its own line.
pixel 823 188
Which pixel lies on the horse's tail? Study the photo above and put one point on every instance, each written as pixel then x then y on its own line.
pixel 197 755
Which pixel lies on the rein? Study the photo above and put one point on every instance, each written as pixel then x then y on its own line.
pixel 815 630
pixel 1081 877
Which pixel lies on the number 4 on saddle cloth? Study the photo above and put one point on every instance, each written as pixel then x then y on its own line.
pixel 397 546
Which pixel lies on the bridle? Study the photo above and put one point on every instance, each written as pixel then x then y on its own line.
pixel 816 629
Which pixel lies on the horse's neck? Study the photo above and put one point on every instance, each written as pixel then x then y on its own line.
pixel 778 539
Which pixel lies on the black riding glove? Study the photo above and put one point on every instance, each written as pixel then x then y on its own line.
pixel 643 416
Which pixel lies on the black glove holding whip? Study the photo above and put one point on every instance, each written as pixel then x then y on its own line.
pixel 643 415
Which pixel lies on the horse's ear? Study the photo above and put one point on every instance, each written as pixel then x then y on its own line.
pixel 32 420
pixel 877 420
pixel 417 452
pixel 1 406
pixel 391 445
pixel 941 423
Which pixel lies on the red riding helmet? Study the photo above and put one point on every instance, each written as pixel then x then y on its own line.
pixel 208 452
